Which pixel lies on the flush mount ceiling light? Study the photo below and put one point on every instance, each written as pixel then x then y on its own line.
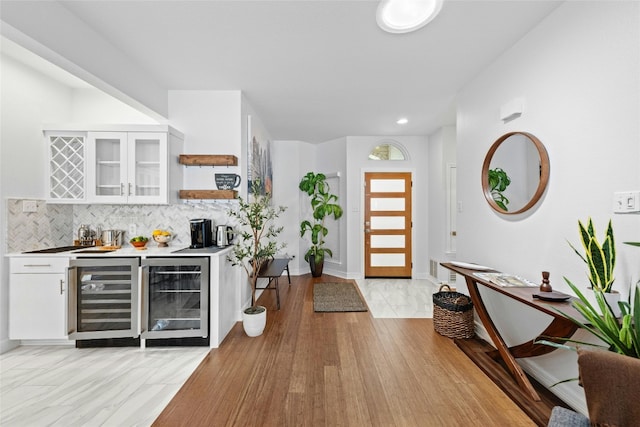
pixel 402 121
pixel 403 16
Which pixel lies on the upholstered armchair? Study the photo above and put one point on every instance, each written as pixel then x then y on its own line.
pixel 611 384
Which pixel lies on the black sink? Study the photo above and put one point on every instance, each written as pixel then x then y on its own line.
pixel 56 250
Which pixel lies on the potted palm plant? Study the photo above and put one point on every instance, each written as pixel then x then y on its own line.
pixel 255 244
pixel 324 205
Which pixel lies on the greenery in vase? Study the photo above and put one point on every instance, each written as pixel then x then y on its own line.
pixel 324 204
pixel 600 258
pixel 256 238
pixel 498 183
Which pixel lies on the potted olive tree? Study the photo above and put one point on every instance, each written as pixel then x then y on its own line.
pixel 324 205
pixel 255 245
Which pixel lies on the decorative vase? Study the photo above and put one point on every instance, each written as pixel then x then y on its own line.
pixel 316 266
pixel 254 322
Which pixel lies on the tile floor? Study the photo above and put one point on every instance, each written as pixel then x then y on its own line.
pixel 398 298
pixel 65 386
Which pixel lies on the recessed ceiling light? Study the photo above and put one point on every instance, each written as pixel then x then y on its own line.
pixel 402 121
pixel 403 16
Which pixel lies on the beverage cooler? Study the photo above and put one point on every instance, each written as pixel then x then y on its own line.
pixel 118 298
pixel 175 301
pixel 103 298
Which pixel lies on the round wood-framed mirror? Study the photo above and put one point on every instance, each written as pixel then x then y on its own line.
pixel 515 173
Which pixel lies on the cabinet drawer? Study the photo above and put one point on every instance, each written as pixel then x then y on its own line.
pixel 33 265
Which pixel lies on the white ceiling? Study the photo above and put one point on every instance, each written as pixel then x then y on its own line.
pixel 316 70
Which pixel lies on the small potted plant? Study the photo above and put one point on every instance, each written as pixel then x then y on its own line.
pixel 600 259
pixel 324 205
pixel 256 243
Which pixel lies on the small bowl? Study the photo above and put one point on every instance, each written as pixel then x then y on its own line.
pixel 162 240
pixel 139 245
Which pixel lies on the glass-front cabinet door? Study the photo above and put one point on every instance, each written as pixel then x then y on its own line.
pixel 147 167
pixel 127 167
pixel 108 167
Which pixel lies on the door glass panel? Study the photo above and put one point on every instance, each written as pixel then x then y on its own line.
pixel 108 164
pixel 387 204
pixel 387 260
pixel 147 167
pixel 387 241
pixel 387 223
pixel 174 297
pixel 104 298
pixel 387 185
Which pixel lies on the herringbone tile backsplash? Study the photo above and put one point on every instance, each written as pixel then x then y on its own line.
pixel 57 225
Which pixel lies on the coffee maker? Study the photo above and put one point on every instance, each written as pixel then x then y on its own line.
pixel 201 236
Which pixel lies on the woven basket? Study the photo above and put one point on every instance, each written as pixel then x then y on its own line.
pixel 452 314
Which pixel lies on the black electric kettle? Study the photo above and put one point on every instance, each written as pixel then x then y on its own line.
pixel 224 235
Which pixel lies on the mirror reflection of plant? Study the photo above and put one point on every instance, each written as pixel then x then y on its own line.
pixel 257 235
pixel 498 182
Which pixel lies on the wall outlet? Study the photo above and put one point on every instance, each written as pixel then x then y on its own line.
pixel 29 206
pixel 133 230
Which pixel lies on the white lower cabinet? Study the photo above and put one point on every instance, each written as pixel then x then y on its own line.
pixel 37 298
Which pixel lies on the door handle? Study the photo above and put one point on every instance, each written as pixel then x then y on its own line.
pixel 122 188
pixel 61 287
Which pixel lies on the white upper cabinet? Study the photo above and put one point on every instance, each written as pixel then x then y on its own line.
pixel 67 167
pixel 136 166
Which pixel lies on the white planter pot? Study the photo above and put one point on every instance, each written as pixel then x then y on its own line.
pixel 254 324
pixel 612 299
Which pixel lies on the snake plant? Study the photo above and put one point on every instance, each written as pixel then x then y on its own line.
pixel 600 258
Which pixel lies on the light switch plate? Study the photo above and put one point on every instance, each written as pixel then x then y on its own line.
pixel 626 201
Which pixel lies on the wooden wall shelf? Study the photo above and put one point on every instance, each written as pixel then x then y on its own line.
pixel 208 160
pixel 208 194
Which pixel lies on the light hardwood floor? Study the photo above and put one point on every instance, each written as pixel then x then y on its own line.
pixel 329 369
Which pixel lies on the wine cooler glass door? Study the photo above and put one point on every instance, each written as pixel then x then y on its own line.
pixel 176 294
pixel 103 298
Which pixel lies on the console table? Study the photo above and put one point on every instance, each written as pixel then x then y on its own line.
pixel 559 326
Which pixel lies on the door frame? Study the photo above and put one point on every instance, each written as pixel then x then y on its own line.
pixel 361 238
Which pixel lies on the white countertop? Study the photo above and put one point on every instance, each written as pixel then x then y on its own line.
pixel 126 251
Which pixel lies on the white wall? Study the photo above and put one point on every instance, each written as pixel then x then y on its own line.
pixel 39 27
pixel 358 149
pixel 441 152
pixel 28 99
pixel 578 72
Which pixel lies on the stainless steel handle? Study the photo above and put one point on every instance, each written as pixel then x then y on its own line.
pixel 61 286
pixel 130 193
pixel 122 188
pixel 37 265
